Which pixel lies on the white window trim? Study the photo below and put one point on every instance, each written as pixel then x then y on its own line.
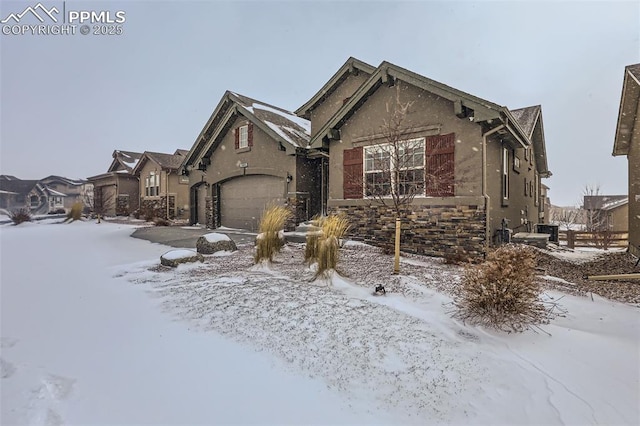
pixel 243 136
pixel 392 167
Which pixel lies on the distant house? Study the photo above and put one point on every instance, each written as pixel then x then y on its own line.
pixel 73 190
pixel 473 166
pixel 249 155
pixel 606 212
pixel 30 194
pixel 116 192
pixel 164 191
pixel 627 142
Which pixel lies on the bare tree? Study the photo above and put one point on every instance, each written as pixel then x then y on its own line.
pixel 565 217
pixel 100 201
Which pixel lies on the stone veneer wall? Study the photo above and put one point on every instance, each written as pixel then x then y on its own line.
pixel 211 218
pixel 157 207
pixel 429 230
pixel 122 205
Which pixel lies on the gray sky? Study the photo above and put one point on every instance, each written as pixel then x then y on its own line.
pixel 68 101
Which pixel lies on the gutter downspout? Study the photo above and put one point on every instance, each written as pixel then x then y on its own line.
pixel 487 199
pixel 167 192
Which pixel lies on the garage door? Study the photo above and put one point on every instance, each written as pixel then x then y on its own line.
pixel 243 199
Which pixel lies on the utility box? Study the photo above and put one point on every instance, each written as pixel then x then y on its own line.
pixel 552 230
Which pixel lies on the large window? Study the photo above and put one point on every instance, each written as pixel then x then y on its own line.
pixel 152 184
pixel 395 167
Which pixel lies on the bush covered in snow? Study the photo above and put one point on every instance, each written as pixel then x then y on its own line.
pixel 20 215
pixel 502 293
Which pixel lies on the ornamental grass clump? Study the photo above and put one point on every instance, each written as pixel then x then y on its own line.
pixel 270 241
pixel 21 215
pixel 334 228
pixel 75 213
pixel 502 293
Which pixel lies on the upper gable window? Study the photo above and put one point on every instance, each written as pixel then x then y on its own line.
pixel 243 138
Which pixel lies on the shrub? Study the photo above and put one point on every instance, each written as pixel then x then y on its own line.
pixel 160 221
pixel 311 247
pixel 269 242
pixel 20 215
pixel 502 293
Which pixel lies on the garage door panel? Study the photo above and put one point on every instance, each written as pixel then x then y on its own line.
pixel 243 199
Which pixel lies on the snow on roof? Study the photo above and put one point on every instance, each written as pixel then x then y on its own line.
pixel 526 118
pixel 54 192
pixel 129 159
pixel 615 203
pixel 291 128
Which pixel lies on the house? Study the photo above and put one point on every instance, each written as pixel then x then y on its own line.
pixel 73 190
pixel 627 142
pixel 468 166
pixel 164 192
pixel 249 155
pixel 606 212
pixel 17 194
pixel 116 193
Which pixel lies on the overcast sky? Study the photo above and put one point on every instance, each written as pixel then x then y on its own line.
pixel 68 101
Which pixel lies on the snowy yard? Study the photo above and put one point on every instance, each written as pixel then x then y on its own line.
pixel 94 331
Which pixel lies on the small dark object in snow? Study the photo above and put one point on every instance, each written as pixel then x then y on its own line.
pixel 380 290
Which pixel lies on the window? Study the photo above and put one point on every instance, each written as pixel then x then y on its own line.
pixel 505 174
pixel 516 163
pixel 152 184
pixel 398 168
pixel 243 138
pixel 536 190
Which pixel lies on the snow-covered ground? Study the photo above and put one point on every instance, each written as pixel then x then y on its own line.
pixel 95 332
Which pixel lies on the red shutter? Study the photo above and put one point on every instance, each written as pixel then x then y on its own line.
pixel 440 161
pixel 352 176
pixel 250 134
pixel 236 132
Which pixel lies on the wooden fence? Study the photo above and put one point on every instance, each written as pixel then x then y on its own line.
pixel 596 239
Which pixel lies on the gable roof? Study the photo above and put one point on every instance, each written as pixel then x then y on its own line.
pixel 68 181
pixel 291 131
pixel 165 161
pixel 476 109
pixel 124 161
pixel 17 186
pixel 604 202
pixel 527 118
pixel 351 66
pixel 627 114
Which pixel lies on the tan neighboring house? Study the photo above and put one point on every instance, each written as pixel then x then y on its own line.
pixel 73 190
pixel 475 166
pixel 606 212
pixel 164 191
pixel 248 155
pixel 115 193
pixel 627 142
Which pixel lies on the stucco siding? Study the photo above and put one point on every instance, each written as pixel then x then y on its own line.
pixel 325 110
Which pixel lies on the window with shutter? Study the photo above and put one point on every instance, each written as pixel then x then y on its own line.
pixel 352 173
pixel 440 153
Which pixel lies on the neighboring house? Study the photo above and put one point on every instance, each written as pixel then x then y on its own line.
pixel 31 194
pixel 627 142
pixel 606 212
pixel 164 191
pixel 249 155
pixel 474 165
pixel 115 193
pixel 72 189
